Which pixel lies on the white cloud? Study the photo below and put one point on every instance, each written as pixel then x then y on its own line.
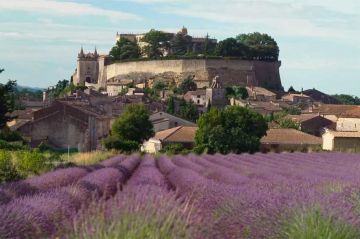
pixel 63 8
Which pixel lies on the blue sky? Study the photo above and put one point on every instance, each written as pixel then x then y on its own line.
pixel 40 39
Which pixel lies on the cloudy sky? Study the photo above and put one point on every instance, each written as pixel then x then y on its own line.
pixel 319 40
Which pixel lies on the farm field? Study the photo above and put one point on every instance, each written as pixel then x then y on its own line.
pixel 209 196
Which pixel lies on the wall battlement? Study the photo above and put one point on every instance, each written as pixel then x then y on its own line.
pixel 203 71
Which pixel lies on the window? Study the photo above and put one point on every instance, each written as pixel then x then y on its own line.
pixel 198 101
pixel 198 96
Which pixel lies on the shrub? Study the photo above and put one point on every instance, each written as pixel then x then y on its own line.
pixel 173 149
pixel 11 146
pixel 7 169
pixel 30 162
pixel 313 224
pixel 126 146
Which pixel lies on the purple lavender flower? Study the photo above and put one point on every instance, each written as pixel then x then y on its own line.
pixel 57 178
pixel 114 161
pixel 103 181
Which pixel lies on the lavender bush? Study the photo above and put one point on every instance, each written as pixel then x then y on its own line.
pixel 103 182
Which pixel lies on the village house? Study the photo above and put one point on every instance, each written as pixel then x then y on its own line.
pixel 183 135
pixel 262 107
pixel 311 123
pixel 198 97
pixel 289 140
pixel 260 94
pixel 349 121
pixel 332 112
pixel 297 98
pixel 68 124
pixel 341 141
pixel 346 138
pixel 163 121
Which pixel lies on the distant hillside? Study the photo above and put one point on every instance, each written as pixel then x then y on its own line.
pixel 347 99
pixel 29 88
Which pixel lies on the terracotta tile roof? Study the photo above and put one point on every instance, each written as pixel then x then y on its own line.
pixel 353 113
pixel 330 109
pixel 181 134
pixel 290 97
pixel 344 134
pixel 290 136
pixel 260 91
pixel 197 92
pixel 302 118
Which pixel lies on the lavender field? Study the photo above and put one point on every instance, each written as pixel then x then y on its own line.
pixel 210 196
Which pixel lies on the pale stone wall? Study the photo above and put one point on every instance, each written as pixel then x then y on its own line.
pixel 231 72
pixel 328 141
pixel 86 69
pixel 348 124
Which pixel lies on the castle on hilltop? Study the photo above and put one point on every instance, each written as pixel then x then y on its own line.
pixel 99 71
pixel 196 43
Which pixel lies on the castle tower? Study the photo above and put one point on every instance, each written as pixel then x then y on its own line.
pixel 215 95
pixel 87 68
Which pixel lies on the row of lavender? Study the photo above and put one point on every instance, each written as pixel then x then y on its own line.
pixel 146 207
pixel 254 196
pixel 46 205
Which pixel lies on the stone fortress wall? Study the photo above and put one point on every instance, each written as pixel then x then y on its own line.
pixel 230 71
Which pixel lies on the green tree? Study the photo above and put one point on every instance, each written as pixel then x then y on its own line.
pixel 7 101
pixel 291 90
pixel 181 44
pixel 188 111
pixel 171 105
pixel 187 85
pixel 158 42
pixel 125 49
pixel 159 85
pixel 236 92
pixel 260 46
pixel 347 99
pixel 131 129
pixel 230 47
pixel 173 149
pixel 231 130
pixel 209 46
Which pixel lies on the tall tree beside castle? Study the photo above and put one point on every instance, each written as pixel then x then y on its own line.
pixel 158 43
pixel 125 49
pixel 181 44
pixel 260 46
pixel 231 47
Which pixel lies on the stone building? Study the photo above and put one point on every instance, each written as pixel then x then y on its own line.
pixel 67 125
pixel 198 97
pixel 260 94
pixel 311 123
pixel 183 135
pixel 196 44
pixel 342 141
pixel 346 138
pixel 163 121
pixel 95 70
pixel 349 121
pixel 289 140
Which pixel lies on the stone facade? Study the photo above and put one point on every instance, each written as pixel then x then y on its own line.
pixel 97 71
pixel 70 124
